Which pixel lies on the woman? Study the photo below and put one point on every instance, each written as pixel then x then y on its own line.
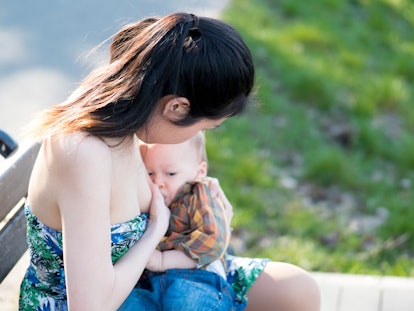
pixel 92 224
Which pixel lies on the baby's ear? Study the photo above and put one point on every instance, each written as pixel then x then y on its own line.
pixel 176 109
pixel 202 170
pixel 143 149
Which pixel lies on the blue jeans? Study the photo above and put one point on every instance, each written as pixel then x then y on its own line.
pixel 182 289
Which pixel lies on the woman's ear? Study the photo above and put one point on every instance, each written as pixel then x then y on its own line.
pixel 176 108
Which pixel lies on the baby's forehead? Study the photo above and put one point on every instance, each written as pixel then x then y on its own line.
pixel 172 152
pixel 184 147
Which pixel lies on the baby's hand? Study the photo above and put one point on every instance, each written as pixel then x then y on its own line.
pixel 217 192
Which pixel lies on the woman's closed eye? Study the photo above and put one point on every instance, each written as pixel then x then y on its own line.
pixel 211 128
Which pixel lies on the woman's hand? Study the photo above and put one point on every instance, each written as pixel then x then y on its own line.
pixel 159 212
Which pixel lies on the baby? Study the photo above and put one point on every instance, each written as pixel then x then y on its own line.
pixel 198 234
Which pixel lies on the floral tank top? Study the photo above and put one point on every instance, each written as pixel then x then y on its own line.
pixel 43 287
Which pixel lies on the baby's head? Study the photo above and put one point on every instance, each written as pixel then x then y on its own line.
pixel 170 166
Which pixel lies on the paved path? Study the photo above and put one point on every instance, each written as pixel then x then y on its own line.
pixel 348 292
pixel 9 288
pixel 44 46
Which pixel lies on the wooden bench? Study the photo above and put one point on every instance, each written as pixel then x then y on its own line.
pixel 15 168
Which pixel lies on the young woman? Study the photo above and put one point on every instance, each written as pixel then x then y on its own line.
pixel 93 216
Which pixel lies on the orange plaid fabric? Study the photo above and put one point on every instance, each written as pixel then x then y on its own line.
pixel 197 225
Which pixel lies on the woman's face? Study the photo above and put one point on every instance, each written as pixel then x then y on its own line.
pixel 161 130
pixel 165 132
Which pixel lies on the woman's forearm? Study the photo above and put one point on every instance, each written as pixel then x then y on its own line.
pixel 129 267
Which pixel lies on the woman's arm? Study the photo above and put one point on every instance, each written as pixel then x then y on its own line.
pixel 83 175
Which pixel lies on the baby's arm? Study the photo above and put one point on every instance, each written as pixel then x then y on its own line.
pixel 171 259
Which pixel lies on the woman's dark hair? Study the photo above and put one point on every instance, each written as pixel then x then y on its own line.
pixel 199 58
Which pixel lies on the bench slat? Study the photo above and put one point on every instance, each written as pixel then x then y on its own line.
pixel 13 242
pixel 14 177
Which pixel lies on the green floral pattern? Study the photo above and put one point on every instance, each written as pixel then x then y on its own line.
pixel 43 287
pixel 242 272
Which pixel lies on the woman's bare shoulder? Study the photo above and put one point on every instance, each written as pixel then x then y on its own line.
pixel 78 150
pixel 78 144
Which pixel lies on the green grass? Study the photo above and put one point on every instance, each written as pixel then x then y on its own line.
pixel 329 141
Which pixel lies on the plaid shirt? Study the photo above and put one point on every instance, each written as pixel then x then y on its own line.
pixel 197 225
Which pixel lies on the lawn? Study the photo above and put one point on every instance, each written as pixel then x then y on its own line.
pixel 320 169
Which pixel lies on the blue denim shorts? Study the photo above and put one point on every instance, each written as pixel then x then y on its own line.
pixel 182 289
